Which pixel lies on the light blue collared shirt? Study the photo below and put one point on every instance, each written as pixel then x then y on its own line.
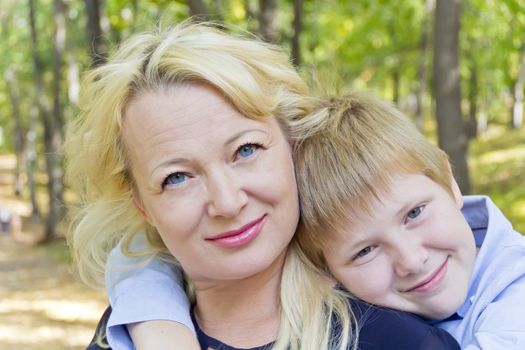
pixel 493 314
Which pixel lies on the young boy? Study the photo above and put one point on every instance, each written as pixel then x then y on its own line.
pixel 381 210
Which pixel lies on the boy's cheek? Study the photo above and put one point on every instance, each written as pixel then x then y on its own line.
pixel 366 283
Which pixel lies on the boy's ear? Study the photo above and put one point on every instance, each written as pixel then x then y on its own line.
pixel 458 197
pixel 137 202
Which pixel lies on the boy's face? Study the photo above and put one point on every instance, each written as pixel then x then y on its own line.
pixel 414 253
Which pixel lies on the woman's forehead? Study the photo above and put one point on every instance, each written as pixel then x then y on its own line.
pixel 187 116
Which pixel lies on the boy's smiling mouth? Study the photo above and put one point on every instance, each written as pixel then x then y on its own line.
pixel 432 282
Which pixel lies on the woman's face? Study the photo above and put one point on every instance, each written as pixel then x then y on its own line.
pixel 219 187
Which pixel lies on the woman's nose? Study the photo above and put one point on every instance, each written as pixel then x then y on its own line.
pixel 226 196
pixel 410 257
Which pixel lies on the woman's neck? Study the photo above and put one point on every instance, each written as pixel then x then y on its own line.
pixel 243 313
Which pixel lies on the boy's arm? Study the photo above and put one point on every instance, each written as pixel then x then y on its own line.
pixel 141 293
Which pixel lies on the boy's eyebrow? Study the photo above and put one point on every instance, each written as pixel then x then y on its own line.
pixel 408 205
pixel 349 238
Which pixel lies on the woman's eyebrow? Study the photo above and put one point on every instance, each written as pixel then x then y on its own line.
pixel 179 160
pixel 167 163
pixel 241 133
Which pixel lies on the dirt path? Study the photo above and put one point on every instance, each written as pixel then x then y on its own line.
pixel 42 306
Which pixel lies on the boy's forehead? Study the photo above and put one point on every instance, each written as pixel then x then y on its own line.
pixel 363 212
pixel 350 227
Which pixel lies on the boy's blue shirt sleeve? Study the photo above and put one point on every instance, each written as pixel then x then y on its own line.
pixel 492 315
pixel 502 325
pixel 142 289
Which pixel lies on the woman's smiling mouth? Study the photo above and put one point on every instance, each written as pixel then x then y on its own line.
pixel 239 237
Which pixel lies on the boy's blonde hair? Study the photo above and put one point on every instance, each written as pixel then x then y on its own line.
pixel 351 148
pixel 260 82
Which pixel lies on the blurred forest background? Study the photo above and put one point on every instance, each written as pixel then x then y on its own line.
pixel 456 67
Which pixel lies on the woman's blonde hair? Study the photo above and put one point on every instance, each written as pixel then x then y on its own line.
pixel 260 82
pixel 352 147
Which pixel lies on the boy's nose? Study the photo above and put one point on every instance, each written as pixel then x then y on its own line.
pixel 226 196
pixel 410 258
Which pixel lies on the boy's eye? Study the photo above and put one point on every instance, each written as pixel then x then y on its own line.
pixel 174 179
pixel 246 150
pixel 364 252
pixel 414 212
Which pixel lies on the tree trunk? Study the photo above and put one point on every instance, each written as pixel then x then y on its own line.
pixel 73 72
pixel 31 162
pixel 135 11
pixel 422 67
pixel 73 80
pixel 50 134
pixel 56 179
pixel 472 124
pixel 396 84
pixel 18 132
pixel 297 30
pixel 268 20
pixel 250 10
pixel 198 10
pixel 97 43
pixel 517 109
pixel 451 129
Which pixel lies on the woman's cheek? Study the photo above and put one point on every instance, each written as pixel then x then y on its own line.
pixel 175 218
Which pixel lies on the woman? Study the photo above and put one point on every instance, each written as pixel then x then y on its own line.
pixel 185 134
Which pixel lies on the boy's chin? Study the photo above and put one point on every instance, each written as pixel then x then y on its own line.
pixel 445 306
pixel 441 313
pixel 438 316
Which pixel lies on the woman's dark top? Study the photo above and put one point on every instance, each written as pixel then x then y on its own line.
pixel 380 329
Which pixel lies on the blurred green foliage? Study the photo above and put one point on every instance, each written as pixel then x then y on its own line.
pixel 497 163
pixel 364 44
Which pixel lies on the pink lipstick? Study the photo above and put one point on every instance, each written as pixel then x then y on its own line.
pixel 432 282
pixel 239 237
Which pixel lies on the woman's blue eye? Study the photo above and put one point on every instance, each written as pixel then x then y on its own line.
pixel 247 150
pixel 415 212
pixel 174 179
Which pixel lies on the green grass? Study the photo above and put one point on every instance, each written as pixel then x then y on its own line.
pixel 497 169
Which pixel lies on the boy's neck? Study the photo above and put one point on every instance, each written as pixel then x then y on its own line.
pixel 243 313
